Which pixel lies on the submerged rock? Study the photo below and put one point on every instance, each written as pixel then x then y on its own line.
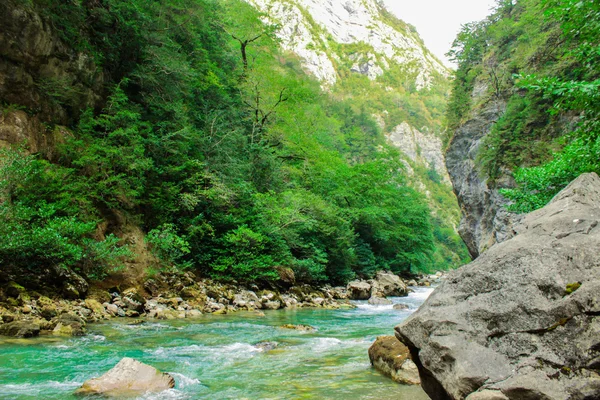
pixel 523 320
pixel 300 327
pixel 128 378
pixel 392 358
pixel 266 346
pixel 379 301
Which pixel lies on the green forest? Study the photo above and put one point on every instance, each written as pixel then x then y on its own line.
pixel 232 160
pixel 541 58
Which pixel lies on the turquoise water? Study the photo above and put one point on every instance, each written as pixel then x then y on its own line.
pixel 213 357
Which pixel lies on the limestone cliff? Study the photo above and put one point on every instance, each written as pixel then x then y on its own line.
pixel 485 220
pixel 315 30
pixel 422 147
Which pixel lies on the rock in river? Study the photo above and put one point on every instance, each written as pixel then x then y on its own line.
pixel 523 320
pixel 300 327
pixel 128 378
pixel 379 301
pixel 390 284
pixel 392 358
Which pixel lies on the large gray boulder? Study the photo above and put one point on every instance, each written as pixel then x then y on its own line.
pixel 523 320
pixel 127 379
pixel 390 284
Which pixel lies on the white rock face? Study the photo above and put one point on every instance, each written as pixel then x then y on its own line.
pixel 296 35
pixel 347 22
pixel 420 147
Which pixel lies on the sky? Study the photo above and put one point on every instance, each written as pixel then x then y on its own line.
pixel 438 21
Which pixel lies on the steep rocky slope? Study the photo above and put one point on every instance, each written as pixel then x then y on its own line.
pixel 522 321
pixel 315 30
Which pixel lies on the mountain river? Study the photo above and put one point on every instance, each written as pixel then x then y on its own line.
pixel 214 357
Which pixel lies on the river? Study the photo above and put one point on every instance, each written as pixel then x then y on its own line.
pixel 214 357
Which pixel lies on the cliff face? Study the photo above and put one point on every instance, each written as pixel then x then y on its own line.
pixel 421 147
pixel 42 80
pixel 485 220
pixel 314 30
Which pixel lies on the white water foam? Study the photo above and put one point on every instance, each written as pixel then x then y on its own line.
pixel 36 388
pixel 231 351
pixel 371 307
pixel 182 381
pixel 324 344
pixel 171 394
pixel 181 350
pixel 420 293
pixel 93 338
pixel 240 349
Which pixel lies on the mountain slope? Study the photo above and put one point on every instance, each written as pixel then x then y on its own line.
pixel 184 130
pixel 362 54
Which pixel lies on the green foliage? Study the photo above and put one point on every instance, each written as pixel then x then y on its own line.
pixel 110 153
pixel 519 136
pixel 467 50
pixel 575 90
pixel 166 244
pixel 42 224
pixel 538 185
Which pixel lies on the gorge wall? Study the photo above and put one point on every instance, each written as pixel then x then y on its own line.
pixel 485 220
pixel 43 80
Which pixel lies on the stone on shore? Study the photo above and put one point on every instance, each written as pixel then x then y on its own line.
pixel 20 329
pixel 128 378
pixel 523 320
pixel 392 358
pixel 359 290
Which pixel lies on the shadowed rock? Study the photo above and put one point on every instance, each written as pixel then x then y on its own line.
pixel 523 320
pixel 20 329
pixel 392 358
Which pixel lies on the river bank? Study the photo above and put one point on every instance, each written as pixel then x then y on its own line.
pixel 25 313
pixel 219 356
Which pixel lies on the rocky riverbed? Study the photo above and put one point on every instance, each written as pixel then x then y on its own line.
pixel 229 356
